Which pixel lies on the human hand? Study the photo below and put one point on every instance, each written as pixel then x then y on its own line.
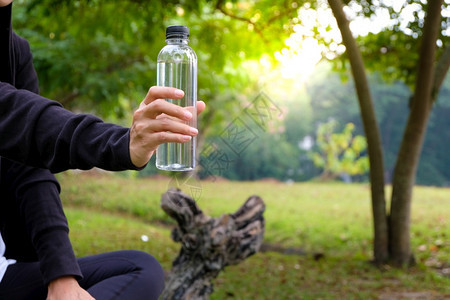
pixel 5 2
pixel 67 288
pixel 157 121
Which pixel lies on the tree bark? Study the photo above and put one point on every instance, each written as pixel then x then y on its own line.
pixel 374 145
pixel 208 244
pixel 409 153
pixel 441 71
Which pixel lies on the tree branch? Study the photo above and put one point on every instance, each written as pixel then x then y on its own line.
pixel 257 27
pixel 246 20
pixel 287 12
pixel 69 98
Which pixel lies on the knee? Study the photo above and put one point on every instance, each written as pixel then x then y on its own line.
pixel 146 261
pixel 151 271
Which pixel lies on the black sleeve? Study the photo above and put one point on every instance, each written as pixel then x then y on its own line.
pixel 39 132
pixel 34 226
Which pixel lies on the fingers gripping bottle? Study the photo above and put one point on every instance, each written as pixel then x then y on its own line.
pixel 177 67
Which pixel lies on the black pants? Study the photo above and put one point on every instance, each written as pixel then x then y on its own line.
pixel 120 275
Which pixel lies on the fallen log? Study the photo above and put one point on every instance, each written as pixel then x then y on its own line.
pixel 208 244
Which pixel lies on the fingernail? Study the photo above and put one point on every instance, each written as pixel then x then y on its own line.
pixel 179 93
pixel 194 131
pixel 187 114
pixel 187 138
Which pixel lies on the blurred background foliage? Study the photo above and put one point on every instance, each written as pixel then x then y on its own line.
pixel 100 57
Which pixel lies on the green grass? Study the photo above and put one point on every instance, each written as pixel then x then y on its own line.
pixel 108 213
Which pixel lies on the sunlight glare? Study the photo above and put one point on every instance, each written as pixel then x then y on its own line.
pixel 302 52
pixel 300 59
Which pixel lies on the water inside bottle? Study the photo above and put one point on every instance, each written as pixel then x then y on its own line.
pixel 182 75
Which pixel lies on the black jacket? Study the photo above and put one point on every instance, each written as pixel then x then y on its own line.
pixel 40 133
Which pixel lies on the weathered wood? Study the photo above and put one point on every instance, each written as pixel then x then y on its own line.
pixel 208 244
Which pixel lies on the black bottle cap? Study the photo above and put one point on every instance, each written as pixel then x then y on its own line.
pixel 177 30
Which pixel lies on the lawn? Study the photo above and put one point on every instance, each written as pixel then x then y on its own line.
pixel 328 225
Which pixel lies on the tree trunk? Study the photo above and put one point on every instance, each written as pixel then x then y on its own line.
pixel 371 130
pixel 409 153
pixel 441 71
pixel 208 244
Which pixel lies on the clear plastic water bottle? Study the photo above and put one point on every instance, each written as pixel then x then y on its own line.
pixel 177 67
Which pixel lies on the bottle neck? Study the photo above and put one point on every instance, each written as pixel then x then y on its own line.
pixel 177 40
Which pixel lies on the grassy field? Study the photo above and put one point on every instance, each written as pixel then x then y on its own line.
pixel 329 223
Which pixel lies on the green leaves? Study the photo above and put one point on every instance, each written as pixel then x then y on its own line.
pixel 393 50
pixel 339 152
